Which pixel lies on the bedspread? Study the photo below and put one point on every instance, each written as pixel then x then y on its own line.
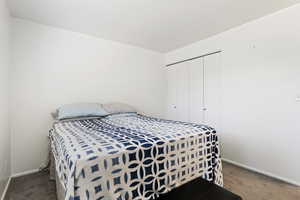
pixel 132 157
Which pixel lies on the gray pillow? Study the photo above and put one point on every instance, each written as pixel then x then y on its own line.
pixel 113 108
pixel 79 110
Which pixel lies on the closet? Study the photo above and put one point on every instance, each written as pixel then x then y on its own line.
pixel 194 90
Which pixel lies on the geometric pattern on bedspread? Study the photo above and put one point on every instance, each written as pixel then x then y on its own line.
pixel 130 156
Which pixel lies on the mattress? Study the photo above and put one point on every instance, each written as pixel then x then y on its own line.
pixel 131 156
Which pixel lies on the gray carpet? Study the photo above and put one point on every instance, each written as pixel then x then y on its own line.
pixel 31 187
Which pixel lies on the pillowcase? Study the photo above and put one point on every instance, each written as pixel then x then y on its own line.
pixel 79 110
pixel 113 108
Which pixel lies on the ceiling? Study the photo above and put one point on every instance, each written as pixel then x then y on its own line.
pixel 161 25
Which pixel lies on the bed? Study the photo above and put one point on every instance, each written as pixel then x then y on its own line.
pixel 129 156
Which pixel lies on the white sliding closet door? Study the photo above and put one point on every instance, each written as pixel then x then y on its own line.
pixel 178 92
pixel 183 92
pixel 212 85
pixel 196 70
pixel 172 93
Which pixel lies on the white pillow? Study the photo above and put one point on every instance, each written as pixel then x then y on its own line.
pixel 113 108
pixel 80 110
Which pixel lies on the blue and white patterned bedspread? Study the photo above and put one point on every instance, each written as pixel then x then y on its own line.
pixel 130 156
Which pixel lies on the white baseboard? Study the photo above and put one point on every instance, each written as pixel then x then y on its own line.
pixel 262 172
pixel 25 173
pixel 5 189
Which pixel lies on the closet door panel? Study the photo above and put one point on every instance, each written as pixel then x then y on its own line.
pixel 196 91
pixel 172 93
pixel 182 92
pixel 212 85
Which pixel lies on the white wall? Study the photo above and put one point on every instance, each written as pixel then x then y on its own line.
pixel 260 83
pixel 53 66
pixel 4 64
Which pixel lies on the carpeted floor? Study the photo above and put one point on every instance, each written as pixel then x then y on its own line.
pixel 249 185
pixel 253 186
